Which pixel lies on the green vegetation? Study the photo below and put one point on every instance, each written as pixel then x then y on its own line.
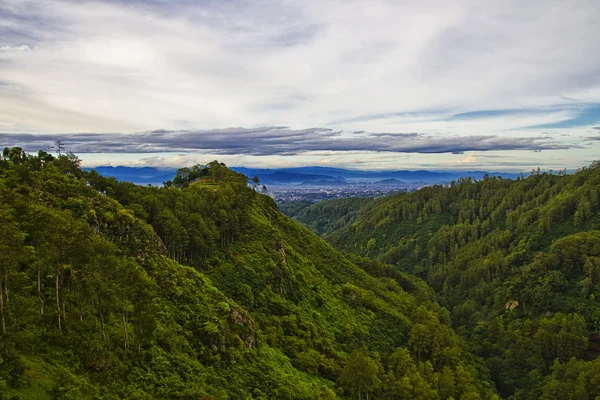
pixel 293 208
pixel 202 289
pixel 325 217
pixel 516 262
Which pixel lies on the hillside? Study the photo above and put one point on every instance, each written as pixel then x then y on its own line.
pixel 202 290
pixel 325 217
pixel 516 262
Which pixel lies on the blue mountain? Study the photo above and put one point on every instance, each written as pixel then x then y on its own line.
pixel 303 175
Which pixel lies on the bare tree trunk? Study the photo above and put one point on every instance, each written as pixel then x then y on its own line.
pixel 94 314
pixel 2 310
pixel 39 283
pixel 126 337
pixel 62 292
pixel 139 347
pixel 6 286
pixel 57 300
pixel 7 304
pixel 79 299
pixel 101 320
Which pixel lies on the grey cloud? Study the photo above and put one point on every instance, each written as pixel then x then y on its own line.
pixel 375 117
pixel 512 166
pixel 491 156
pixel 274 140
pixel 395 135
pixel 298 36
pixel 24 25
pixel 257 20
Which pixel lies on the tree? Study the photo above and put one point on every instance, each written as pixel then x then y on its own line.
pixel 360 374
pixel 12 252
pixel 447 385
pixel 371 244
pixel 325 393
pixel 255 182
pixel 59 146
pixel 420 339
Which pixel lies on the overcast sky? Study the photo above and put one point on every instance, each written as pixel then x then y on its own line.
pixel 503 85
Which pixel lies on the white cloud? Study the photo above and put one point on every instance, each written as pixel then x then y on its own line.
pixel 470 159
pixel 373 65
pixel 6 49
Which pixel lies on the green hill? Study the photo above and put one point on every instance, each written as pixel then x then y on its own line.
pixel 202 289
pixel 516 262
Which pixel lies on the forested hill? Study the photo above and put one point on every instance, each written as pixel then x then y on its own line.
pixel 516 262
pixel 202 290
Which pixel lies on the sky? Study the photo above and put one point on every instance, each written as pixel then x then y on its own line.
pixel 376 84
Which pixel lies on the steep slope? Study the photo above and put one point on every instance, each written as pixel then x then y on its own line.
pixel 96 301
pixel 515 261
pixel 325 217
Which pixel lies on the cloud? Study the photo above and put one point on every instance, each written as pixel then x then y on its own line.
pixel 470 159
pixel 585 116
pixel 393 135
pixel 128 66
pixel 277 140
pixel 6 49
pixel 392 78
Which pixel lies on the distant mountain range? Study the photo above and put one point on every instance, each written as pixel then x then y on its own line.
pixel 391 182
pixel 326 182
pixel 139 175
pixel 306 175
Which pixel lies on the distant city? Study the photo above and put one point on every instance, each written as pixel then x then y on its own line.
pixel 312 194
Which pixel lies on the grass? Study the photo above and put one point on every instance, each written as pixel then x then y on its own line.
pixel 39 380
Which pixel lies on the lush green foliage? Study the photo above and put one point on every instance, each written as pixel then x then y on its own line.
pixel 293 208
pixel 516 262
pixel 203 289
pixel 325 217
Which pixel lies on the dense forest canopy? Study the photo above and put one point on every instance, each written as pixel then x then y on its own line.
pixel 202 289
pixel 517 262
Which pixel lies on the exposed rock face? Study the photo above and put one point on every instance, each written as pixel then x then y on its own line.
pixel 247 334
